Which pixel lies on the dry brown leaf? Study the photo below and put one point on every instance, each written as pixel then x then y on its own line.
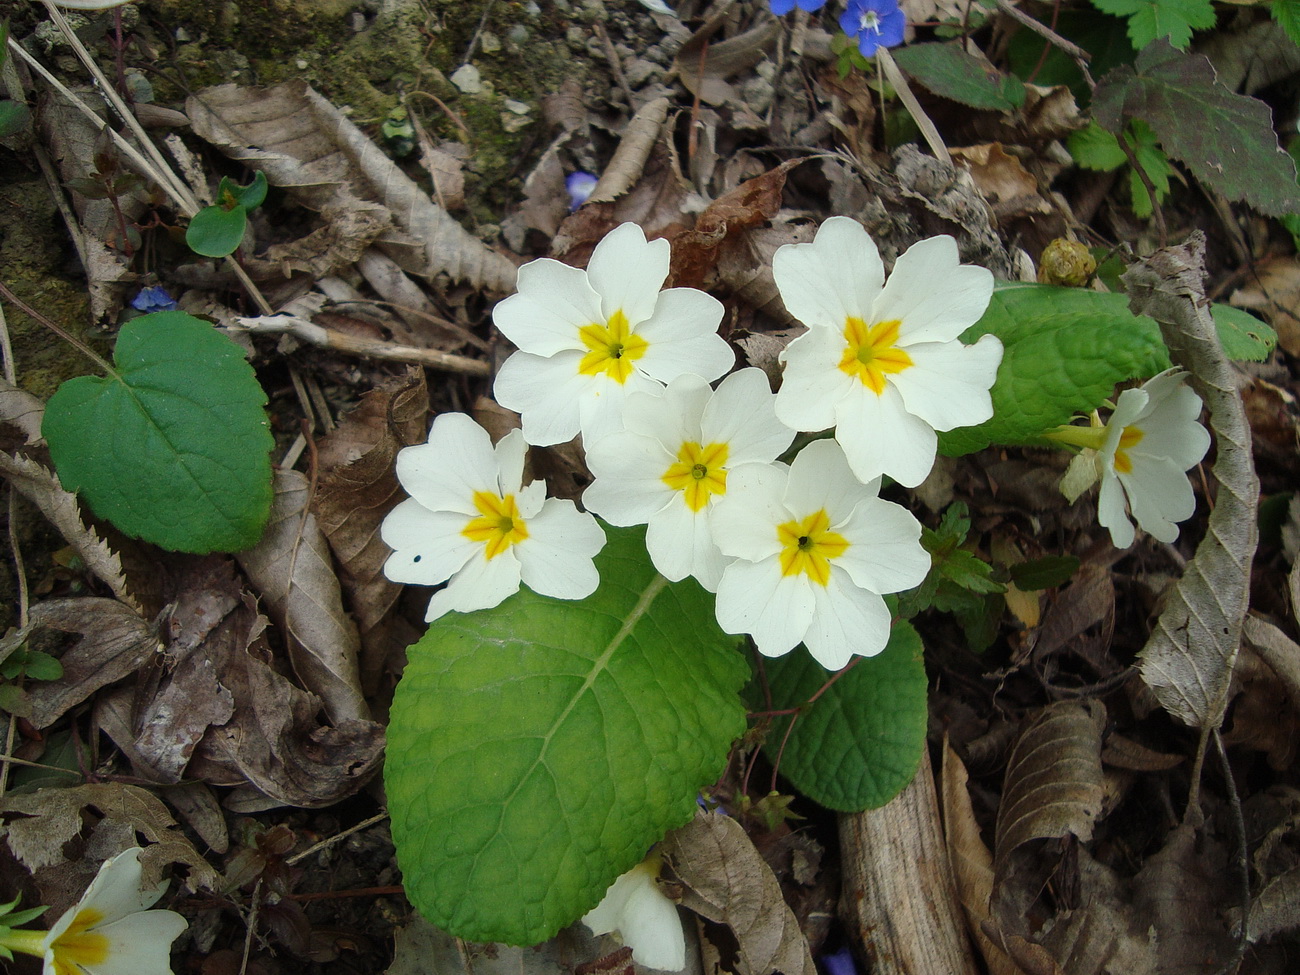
pixel 726 881
pixel 1276 908
pixel 38 823
pixel 345 234
pixel 1006 184
pixel 1188 658
pixel 545 202
pixel 747 268
pixel 704 66
pixel 1275 291
pixel 1053 785
pixel 446 168
pixel 304 144
pixel 114 642
pixel 629 159
pixel 291 568
pixel 1181 892
pixel 972 863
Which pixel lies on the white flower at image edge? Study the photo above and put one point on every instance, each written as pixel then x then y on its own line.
pixel 815 549
pixel 588 338
pixel 472 523
pixel 880 361
pixel 109 932
pixel 636 911
pixel 671 465
pixel 1152 439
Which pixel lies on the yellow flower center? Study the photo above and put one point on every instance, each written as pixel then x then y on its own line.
pixel 612 348
pixel 808 546
pixel 79 947
pixel 699 471
pixel 870 353
pixel 1127 440
pixel 498 525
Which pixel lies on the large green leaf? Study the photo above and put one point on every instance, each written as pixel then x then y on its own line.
pixel 538 749
pixel 949 71
pixel 1152 19
pixel 1234 148
pixel 1066 349
pixel 174 447
pixel 858 745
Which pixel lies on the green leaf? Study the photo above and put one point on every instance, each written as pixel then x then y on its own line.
pixel 1243 336
pixel 859 744
pixel 949 71
pixel 1095 148
pixel 174 447
pixel 39 665
pixel 1036 59
pixel 230 194
pixel 216 232
pixel 537 750
pixel 1233 148
pixel 1151 19
pixel 1153 162
pixel 14 117
pixel 1044 573
pixel 1287 14
pixel 1065 349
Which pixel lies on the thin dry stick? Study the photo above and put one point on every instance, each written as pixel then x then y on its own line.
pixel 1080 56
pixel 326 338
pixel 330 841
pixel 20 571
pixel 905 95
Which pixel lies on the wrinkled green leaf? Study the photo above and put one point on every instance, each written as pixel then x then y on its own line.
pixel 1152 19
pixel 216 232
pixel 174 447
pixel 538 749
pixel 1225 139
pixel 859 744
pixel 1095 148
pixel 1037 60
pixel 949 71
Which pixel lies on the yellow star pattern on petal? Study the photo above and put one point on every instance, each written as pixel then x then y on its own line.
pixel 1129 438
pixel 870 353
pixel 498 525
pixel 612 348
pixel 807 547
pixel 699 471
pixel 79 946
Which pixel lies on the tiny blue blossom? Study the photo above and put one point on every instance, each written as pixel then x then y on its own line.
pixel 839 963
pixel 783 7
pixel 873 24
pixel 154 298
pixel 579 185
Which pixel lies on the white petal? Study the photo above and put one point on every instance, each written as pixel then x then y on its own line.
pixel 1169 423
pixel 601 404
pixel 948 383
pixel 934 296
pixel 115 892
pixel 848 621
pixel 836 276
pixel 554 303
pixel 742 414
pixel 884 553
pixel 820 478
pixel 683 337
pixel 653 930
pixel 481 584
pixel 744 520
pixel 680 543
pixel 140 944
pixel 1159 496
pixel 628 486
pixel 545 392
pixel 530 498
pixel 457 461
pixel 880 437
pixel 812 384
pixel 1111 512
pixel 776 610
pixel 427 545
pixel 510 451
pixel 627 272
pixel 556 558
pixel 672 415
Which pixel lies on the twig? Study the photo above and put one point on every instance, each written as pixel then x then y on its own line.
pixel 330 841
pixel 60 331
pixel 1156 211
pixel 478 31
pixel 1240 864
pixel 905 95
pixel 326 338
pixel 616 66
pixel 251 926
pixel 1080 56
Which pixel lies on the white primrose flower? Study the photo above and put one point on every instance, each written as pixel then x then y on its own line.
pixel 588 338
pixel 1142 454
pixel 881 362
pixel 472 523
pixel 109 931
pixel 636 911
pixel 814 549
pixel 669 466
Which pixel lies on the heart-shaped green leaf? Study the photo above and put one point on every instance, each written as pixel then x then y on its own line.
pixel 859 744
pixel 174 448
pixel 216 232
pixel 537 750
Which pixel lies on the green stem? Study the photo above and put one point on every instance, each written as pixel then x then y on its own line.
pixel 1094 437
pixel 24 942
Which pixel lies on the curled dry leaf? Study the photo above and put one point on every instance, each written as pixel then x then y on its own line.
pixel 1276 908
pixel 704 66
pixel 291 568
pixel 306 145
pixel 114 642
pixel 726 881
pixel 1188 658
pixel 37 824
pixel 629 159
pixel 1009 188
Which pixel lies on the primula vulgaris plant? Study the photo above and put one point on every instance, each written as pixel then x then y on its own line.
pixel 569 701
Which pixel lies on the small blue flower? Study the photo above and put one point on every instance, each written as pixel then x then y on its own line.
pixel 154 298
pixel 579 185
pixel 839 963
pixel 783 7
pixel 874 24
